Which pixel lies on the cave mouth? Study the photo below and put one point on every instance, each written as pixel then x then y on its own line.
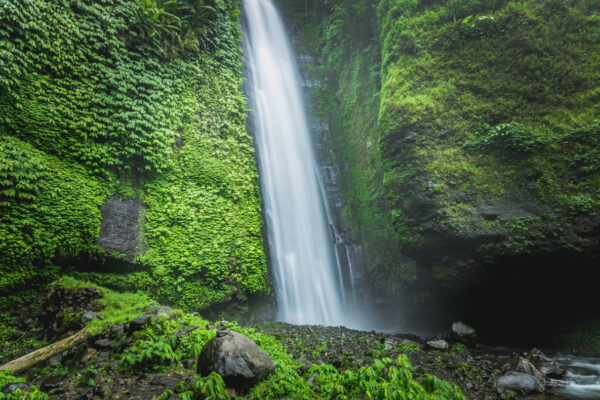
pixel 531 300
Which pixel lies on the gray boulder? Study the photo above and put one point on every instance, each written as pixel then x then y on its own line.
pixel 87 316
pixel 237 359
pixel 463 332
pixel 438 345
pixel 546 365
pixel 520 381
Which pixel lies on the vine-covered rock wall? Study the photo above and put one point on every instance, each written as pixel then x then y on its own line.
pixel 141 100
pixel 471 133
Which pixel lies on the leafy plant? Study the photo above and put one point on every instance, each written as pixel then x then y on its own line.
pixel 509 137
pixel 87 379
pixel 7 378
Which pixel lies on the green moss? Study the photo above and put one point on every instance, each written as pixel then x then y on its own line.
pixel 117 308
pixel 101 107
pixel 453 69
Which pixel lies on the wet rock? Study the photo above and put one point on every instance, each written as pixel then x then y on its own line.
pixel 237 359
pixel 520 364
pixel 54 361
pixel 438 345
pixel 89 353
pixel 463 332
pixel 117 329
pixel 546 365
pixel 141 321
pixel 52 383
pixel 104 343
pixel 520 381
pixel 88 316
pixel 165 380
pixel 103 357
pixel 11 387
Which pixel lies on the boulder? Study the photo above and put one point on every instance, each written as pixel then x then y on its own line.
pixel 463 333
pixel 237 359
pixel 88 316
pixel 546 365
pixel 520 381
pixel 438 345
pixel 140 321
pixel 522 365
pixel 459 333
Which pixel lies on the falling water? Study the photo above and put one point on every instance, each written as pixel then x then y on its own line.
pixel 306 269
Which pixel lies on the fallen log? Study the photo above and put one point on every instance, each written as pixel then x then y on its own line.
pixel 40 355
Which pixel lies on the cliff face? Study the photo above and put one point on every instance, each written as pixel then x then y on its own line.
pixel 125 158
pixel 480 146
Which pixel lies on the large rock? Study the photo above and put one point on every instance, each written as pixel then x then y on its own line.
pixel 520 381
pixel 236 358
pixel 438 345
pixel 463 333
pixel 522 365
pixel 120 228
pixel 546 365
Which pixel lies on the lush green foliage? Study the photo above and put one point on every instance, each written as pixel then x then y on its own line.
pixel 480 100
pixel 173 26
pixel 211 387
pixel 48 210
pixel 142 98
pixel 7 378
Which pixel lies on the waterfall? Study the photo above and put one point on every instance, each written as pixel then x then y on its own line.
pixel 305 263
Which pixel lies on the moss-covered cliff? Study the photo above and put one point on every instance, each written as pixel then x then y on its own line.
pixel 471 127
pixel 99 98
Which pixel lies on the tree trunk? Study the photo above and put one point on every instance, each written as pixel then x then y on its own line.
pixel 21 364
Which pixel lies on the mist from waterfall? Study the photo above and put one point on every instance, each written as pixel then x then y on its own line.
pixel 304 260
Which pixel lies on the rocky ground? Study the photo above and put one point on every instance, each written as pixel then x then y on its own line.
pixel 476 372
pixel 96 368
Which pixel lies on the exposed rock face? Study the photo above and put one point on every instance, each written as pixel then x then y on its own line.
pixel 236 358
pixel 120 228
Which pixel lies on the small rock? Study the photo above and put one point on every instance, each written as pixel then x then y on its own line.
pixel 88 316
pixel 388 345
pixel 237 359
pixel 142 320
pixel 104 343
pixel 359 362
pixel 11 387
pixel 102 357
pixel 188 363
pixel 117 329
pixel 520 381
pixel 438 345
pixel 164 311
pixel 54 361
pixel 210 327
pixel 52 383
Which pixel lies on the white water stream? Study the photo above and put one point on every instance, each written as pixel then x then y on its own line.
pixel 306 268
